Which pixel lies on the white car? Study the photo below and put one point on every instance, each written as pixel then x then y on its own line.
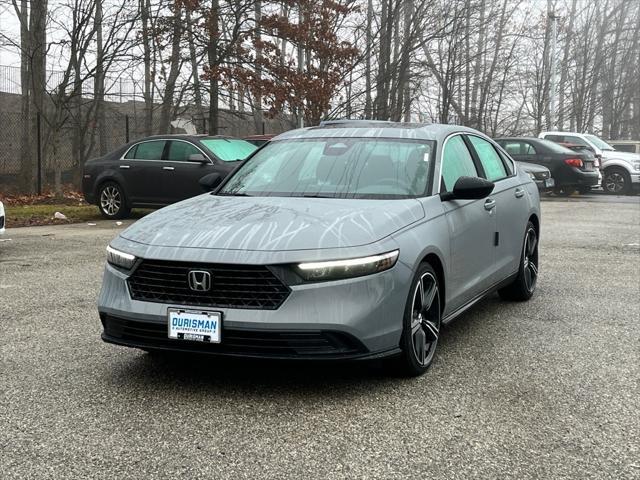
pixel 620 170
pixel 2 218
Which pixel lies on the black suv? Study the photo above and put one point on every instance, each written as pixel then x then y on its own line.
pixel 156 171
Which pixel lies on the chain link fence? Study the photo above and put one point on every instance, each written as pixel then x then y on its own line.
pixel 39 155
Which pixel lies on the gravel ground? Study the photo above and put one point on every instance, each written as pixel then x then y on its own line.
pixel 544 389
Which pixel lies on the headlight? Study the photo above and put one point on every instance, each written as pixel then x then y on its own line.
pixel 352 267
pixel 531 176
pixel 636 165
pixel 120 259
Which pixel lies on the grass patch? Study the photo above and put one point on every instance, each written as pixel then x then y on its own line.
pixel 38 214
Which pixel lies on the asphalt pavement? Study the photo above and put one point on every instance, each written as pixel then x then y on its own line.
pixel 543 389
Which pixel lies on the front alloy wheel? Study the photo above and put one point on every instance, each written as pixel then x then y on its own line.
pixel 422 322
pixel 112 202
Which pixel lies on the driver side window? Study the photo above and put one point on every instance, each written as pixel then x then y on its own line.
pixel 456 162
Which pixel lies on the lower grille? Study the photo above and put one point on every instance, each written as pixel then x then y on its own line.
pixel 257 343
pixel 232 286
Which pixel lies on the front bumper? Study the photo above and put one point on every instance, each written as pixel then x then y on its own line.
pixel 347 319
pixel 635 179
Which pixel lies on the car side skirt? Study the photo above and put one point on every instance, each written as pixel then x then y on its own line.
pixel 495 287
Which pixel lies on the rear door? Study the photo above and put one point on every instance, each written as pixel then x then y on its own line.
pixel 141 167
pixel 181 175
pixel 511 207
pixel 472 225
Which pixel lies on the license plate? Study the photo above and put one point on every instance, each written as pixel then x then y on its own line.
pixel 195 325
pixel 549 182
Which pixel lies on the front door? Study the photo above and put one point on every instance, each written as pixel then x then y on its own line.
pixel 472 227
pixel 181 175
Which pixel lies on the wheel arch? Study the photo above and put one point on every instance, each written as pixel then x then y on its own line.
pixel 107 177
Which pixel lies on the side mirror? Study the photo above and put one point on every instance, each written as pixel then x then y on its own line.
pixel 198 157
pixel 469 188
pixel 210 182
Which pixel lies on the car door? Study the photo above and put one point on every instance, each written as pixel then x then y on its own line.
pixel 141 167
pixel 511 206
pixel 181 175
pixel 471 224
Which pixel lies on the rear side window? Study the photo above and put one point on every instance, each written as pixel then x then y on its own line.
pixel 575 140
pixel 513 148
pixel 554 138
pixel 147 150
pixel 456 162
pixel 180 151
pixel 491 162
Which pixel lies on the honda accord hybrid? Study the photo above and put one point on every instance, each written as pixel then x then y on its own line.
pixel 351 240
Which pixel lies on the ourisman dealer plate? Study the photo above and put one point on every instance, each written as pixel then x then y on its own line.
pixel 195 325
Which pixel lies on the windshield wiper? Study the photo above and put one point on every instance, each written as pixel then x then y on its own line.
pixel 229 194
pixel 316 195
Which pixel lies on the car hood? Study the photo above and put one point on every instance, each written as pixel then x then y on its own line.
pixel 626 156
pixel 273 223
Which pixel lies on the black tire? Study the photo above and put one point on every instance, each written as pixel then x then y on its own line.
pixel 565 190
pixel 616 181
pixel 112 201
pixel 584 190
pixel 524 285
pixel 421 326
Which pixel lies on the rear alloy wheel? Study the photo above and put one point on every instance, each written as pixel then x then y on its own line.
pixel 616 181
pixel 525 282
pixel 422 321
pixel 112 202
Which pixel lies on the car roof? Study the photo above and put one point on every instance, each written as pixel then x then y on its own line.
pixel 519 139
pixel 376 129
pixel 557 132
pixel 183 136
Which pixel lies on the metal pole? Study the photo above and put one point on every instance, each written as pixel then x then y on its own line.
pixel 39 152
pixel 126 126
pixel 554 66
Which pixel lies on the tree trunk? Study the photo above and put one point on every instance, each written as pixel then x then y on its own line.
pixel 174 70
pixel 212 56
pixel 145 7
pixel 98 83
pixel 369 39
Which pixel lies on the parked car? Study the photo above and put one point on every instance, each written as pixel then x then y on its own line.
pixel 159 170
pixel 620 170
pixel 259 140
pixel 355 240
pixel 629 146
pixel 539 174
pixel 570 170
pixel 2 219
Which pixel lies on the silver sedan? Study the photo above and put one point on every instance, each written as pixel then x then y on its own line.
pixel 352 240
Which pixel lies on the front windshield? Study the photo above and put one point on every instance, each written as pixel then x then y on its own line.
pixel 229 149
pixel 335 168
pixel 601 144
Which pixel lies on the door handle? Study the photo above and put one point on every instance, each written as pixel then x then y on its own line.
pixel 489 204
pixel 519 193
pixel 124 166
pixel 171 169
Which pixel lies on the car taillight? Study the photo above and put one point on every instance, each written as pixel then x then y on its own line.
pixel 574 162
